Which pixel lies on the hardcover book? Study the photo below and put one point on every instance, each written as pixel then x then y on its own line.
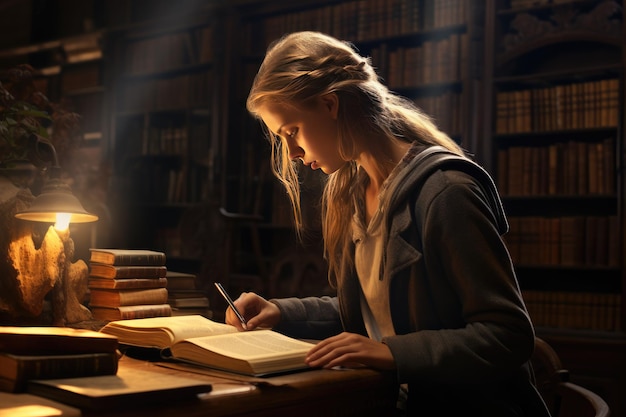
pixel 115 298
pixel 131 312
pixel 202 341
pixel 54 340
pixel 127 283
pixel 180 280
pixel 17 370
pixel 188 302
pixel 129 388
pixel 127 256
pixel 126 271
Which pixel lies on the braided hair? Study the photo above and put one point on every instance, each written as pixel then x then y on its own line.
pixel 303 66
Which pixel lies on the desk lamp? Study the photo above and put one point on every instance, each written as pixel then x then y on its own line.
pixel 56 204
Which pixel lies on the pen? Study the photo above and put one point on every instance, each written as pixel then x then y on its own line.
pixel 231 303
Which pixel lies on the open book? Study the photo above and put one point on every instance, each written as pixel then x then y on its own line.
pixel 200 340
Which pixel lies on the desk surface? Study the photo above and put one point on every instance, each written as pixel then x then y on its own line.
pixel 362 392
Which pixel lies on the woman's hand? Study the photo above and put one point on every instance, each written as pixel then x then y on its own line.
pixel 257 311
pixel 350 350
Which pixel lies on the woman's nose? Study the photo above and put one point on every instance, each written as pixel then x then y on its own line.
pixel 295 151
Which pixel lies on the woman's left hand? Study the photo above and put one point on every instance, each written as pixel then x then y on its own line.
pixel 350 350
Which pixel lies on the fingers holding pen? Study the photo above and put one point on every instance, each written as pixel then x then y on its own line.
pixel 232 318
pixel 256 310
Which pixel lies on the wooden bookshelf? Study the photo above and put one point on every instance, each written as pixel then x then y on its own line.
pixel 554 119
pixel 556 134
pixel 164 145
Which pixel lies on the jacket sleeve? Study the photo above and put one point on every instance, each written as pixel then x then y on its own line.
pixel 484 333
pixel 309 318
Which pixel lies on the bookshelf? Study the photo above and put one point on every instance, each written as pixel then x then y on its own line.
pixel 554 119
pixel 164 144
pixel 68 71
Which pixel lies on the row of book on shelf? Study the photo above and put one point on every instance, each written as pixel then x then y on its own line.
pixel 167 140
pixel 162 180
pixel 564 241
pixel 360 20
pixel 433 61
pixel 134 283
pixel 170 51
pixel 574 310
pixel 445 108
pixel 590 104
pixel 564 168
pixel 153 94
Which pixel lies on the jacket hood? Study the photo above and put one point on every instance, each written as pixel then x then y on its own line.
pixel 436 158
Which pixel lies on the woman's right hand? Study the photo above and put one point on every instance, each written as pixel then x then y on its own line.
pixel 257 311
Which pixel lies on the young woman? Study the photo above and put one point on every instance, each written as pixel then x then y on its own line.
pixel 412 234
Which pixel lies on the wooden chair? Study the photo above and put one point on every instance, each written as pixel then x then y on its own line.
pixel 563 398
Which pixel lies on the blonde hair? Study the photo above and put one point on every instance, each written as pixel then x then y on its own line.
pixel 303 66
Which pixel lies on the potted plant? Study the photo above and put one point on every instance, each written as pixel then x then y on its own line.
pixel 27 119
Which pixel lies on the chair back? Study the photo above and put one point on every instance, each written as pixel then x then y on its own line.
pixel 563 398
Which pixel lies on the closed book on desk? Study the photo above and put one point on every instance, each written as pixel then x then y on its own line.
pixel 118 256
pixel 126 283
pixel 54 340
pixel 130 388
pixel 180 280
pixel 131 312
pixel 216 345
pixel 188 302
pixel 126 271
pixel 115 298
pixel 17 370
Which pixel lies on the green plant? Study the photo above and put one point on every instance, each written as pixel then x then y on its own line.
pixel 26 115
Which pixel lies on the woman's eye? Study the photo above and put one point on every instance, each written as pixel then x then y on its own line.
pixel 292 134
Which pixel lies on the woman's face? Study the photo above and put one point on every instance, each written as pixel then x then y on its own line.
pixel 310 133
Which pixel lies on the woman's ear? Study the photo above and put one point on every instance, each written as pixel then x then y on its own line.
pixel 330 102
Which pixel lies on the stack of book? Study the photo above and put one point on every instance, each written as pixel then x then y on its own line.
pixel 38 353
pixel 184 296
pixel 127 284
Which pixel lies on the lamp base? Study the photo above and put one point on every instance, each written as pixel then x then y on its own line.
pixel 34 273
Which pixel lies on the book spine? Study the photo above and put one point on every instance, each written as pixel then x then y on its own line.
pixel 110 271
pixel 143 311
pixel 141 272
pixel 115 298
pixel 63 366
pixel 127 283
pixel 131 312
pixel 149 296
pixel 139 259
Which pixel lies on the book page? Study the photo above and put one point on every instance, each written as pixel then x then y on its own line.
pixel 252 345
pixel 163 331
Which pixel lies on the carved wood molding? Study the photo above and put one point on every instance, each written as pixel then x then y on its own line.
pixel 604 20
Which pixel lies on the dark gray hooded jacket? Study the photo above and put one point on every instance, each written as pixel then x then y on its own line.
pixel 463 336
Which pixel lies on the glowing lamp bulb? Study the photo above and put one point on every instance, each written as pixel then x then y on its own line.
pixel 63 221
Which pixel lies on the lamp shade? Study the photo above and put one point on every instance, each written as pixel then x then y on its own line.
pixel 56 197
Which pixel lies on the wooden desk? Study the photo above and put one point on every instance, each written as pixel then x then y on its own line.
pixel 327 393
